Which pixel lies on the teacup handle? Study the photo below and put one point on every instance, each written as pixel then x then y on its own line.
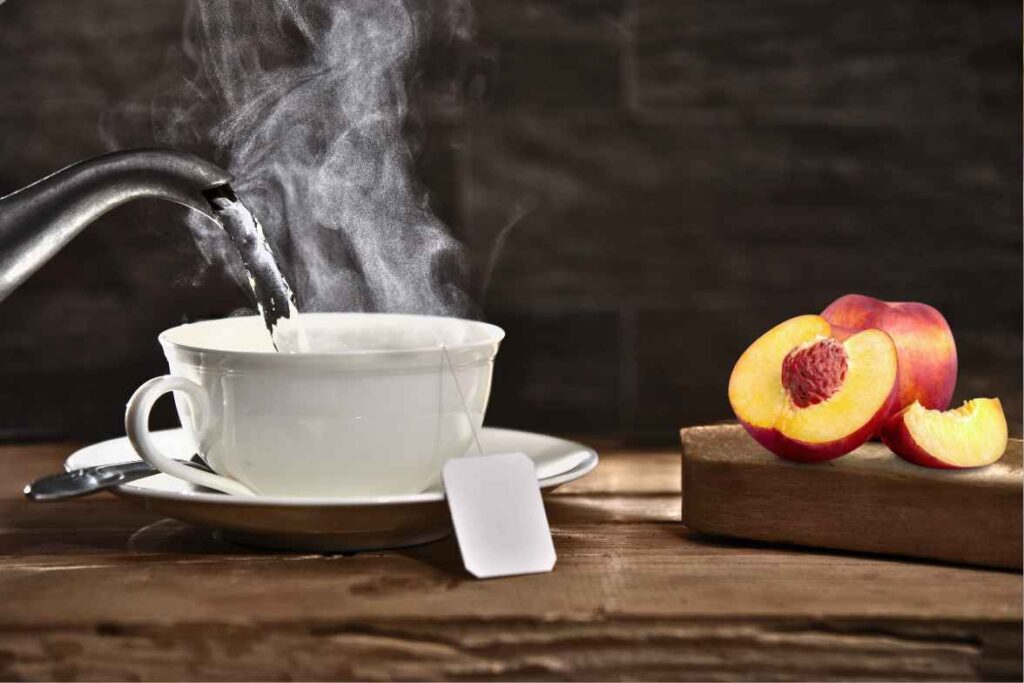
pixel 136 424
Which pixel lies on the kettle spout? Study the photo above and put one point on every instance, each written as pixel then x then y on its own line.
pixel 38 220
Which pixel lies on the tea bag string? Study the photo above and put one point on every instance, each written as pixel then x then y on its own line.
pixel 462 398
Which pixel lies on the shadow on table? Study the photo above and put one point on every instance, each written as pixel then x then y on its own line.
pixel 730 545
pixel 443 556
pixel 174 537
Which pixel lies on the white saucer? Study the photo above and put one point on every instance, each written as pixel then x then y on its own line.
pixel 338 524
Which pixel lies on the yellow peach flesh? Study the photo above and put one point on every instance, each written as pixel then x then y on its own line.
pixel 871 371
pixel 755 386
pixel 972 435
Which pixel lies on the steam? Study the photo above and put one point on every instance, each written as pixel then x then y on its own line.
pixel 306 103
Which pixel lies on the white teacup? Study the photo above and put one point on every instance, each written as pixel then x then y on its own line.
pixel 376 409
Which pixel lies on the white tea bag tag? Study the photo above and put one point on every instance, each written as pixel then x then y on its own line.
pixel 498 515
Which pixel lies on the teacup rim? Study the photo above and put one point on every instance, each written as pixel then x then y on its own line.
pixel 498 334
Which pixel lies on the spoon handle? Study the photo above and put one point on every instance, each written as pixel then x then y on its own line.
pixel 82 482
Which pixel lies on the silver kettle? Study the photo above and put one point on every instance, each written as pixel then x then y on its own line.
pixel 38 220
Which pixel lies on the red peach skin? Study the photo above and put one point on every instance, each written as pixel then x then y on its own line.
pixel 924 344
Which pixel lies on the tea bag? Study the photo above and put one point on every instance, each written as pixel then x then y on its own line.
pixel 496 509
pixel 498 514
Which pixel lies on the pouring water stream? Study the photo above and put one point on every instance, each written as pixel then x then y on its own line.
pixel 273 294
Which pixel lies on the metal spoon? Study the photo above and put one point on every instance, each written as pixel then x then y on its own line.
pixel 88 480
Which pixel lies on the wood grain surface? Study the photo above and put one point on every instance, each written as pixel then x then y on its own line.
pixel 97 588
pixel 869 500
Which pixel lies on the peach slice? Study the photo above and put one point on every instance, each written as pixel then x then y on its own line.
pixel 808 397
pixel 973 435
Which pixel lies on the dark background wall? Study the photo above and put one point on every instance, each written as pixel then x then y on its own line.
pixel 688 174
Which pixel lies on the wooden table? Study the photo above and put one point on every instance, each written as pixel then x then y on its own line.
pixel 97 588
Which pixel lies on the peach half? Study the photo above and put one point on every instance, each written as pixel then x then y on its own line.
pixel 808 397
pixel 973 435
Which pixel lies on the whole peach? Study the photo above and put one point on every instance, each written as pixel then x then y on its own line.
pixel 924 344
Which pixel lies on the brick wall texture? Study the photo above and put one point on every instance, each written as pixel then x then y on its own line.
pixel 684 173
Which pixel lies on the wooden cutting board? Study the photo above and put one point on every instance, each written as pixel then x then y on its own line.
pixel 869 500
